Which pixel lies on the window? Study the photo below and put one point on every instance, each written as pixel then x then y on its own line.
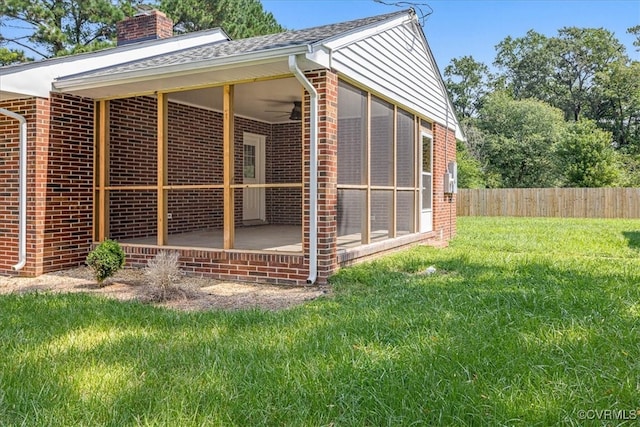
pixel 382 166
pixel 426 171
pixel 249 166
pixel 406 150
pixel 426 212
pixel 378 176
pixel 352 134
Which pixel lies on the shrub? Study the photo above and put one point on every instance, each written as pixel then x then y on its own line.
pixel 107 258
pixel 163 274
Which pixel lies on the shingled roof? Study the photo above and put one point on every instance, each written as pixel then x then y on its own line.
pixel 244 46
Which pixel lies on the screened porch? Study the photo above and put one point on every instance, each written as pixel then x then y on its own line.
pixel 217 168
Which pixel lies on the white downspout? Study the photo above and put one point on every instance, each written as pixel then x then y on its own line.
pixel 313 169
pixel 22 207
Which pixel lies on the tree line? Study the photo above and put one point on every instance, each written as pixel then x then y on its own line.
pixel 557 111
pixel 48 28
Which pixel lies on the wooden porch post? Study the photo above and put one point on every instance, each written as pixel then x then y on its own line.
pixel 101 169
pixel 162 168
pixel 366 220
pixel 228 170
pixel 394 202
pixel 417 144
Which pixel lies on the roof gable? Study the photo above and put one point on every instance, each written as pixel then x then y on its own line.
pixel 396 63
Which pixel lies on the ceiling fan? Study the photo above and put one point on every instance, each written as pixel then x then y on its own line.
pixel 296 112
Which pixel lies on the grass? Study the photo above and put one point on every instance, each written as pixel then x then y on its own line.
pixel 526 322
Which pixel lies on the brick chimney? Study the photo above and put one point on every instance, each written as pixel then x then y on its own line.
pixel 145 25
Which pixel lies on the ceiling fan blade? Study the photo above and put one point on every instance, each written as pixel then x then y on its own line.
pixel 277 101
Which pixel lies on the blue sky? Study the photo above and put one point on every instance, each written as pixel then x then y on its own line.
pixel 457 28
pixel 473 27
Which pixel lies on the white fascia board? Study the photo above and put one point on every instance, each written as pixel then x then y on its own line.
pixel 35 79
pixel 345 39
pixel 321 56
pixel 82 83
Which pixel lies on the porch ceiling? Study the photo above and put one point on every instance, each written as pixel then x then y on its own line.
pixel 269 100
pixel 184 78
pixel 262 90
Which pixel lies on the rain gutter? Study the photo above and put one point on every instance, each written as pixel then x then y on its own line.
pixel 22 189
pixel 313 168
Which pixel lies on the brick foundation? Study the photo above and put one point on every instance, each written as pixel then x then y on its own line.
pixel 229 265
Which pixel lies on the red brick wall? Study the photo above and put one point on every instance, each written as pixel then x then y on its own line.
pixel 231 265
pixel 326 83
pixel 60 174
pixel 133 141
pixel 69 182
pixel 194 157
pixel 151 26
pixel 132 161
pixel 284 165
pixel 444 205
pixel 9 181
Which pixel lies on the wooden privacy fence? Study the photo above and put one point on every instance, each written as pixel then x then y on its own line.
pixel 550 202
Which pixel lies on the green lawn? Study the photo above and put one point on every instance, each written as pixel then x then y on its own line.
pixel 526 322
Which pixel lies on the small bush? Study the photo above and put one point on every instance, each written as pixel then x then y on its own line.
pixel 163 269
pixel 106 259
pixel 163 273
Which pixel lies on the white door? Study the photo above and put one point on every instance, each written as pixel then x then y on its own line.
pixel 426 183
pixel 253 199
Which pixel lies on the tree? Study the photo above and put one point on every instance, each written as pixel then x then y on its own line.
pixel 559 70
pixel 636 32
pixel 472 158
pixel 619 108
pixel 11 56
pixel 239 18
pixel 521 138
pixel 60 27
pixel 475 142
pixel 629 167
pixel 582 53
pixel 470 173
pixel 468 82
pixel 586 157
pixel 527 65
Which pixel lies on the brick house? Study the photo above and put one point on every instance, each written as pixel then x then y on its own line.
pixel 276 158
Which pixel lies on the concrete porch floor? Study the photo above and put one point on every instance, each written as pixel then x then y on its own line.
pixel 278 238
pixel 281 238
